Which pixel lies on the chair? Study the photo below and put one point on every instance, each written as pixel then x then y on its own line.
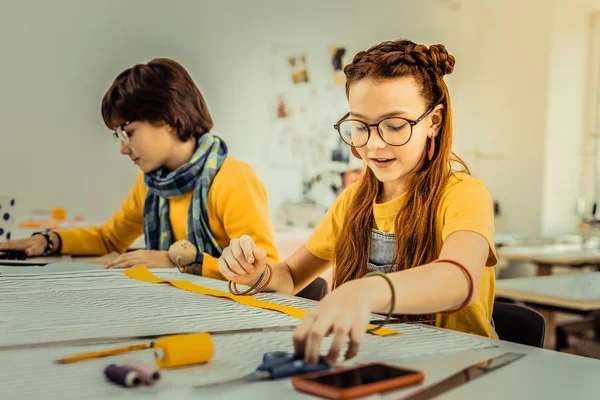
pixel 519 324
pixel 315 290
pixel 582 335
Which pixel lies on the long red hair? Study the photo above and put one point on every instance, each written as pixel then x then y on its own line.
pixel 415 224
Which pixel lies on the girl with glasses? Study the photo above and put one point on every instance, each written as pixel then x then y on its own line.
pixel 416 217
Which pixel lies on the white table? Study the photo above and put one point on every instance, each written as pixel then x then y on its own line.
pixel 573 293
pixel 43 307
pixel 546 256
pixel 577 293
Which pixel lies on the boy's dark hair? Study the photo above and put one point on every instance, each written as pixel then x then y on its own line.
pixel 161 90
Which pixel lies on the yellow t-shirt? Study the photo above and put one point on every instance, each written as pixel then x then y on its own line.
pixel 237 205
pixel 466 205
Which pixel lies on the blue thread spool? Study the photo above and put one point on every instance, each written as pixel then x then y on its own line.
pixel 123 376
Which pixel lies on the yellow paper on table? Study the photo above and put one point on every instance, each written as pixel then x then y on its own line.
pixel 142 274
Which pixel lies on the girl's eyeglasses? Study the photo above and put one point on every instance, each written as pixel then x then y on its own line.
pixel 395 131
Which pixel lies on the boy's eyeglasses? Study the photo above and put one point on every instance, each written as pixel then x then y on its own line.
pixel 120 133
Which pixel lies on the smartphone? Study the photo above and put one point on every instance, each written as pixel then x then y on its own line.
pixel 357 381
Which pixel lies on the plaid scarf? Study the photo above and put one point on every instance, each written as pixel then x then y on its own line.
pixel 196 175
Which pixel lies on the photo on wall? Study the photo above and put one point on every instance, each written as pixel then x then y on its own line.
pixel 337 63
pixel 298 68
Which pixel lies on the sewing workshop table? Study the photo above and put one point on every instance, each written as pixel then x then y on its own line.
pixel 43 307
pixel 572 293
pixel 546 256
pixel 577 293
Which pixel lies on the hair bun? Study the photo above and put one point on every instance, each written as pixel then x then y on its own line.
pixel 441 60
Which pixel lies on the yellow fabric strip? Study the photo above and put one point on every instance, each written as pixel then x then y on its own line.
pixel 142 274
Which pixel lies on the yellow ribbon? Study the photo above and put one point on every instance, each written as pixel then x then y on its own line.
pixel 142 274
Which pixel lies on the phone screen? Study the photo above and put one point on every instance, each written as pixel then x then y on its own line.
pixel 361 376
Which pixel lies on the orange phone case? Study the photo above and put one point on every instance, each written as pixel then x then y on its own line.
pixel 303 384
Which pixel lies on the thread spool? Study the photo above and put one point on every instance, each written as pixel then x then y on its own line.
pixel 148 373
pixel 123 376
pixel 182 350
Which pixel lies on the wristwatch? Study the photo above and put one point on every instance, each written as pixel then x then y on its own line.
pixel 50 244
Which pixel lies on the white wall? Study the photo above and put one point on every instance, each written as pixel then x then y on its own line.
pixel 566 131
pixel 59 57
pixel 501 107
pixel 589 187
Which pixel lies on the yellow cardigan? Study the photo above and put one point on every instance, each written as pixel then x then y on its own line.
pixel 237 205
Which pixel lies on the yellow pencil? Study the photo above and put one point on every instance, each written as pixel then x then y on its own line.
pixel 103 353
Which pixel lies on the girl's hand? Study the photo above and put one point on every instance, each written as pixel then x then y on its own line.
pixel 242 262
pixel 148 258
pixel 345 313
